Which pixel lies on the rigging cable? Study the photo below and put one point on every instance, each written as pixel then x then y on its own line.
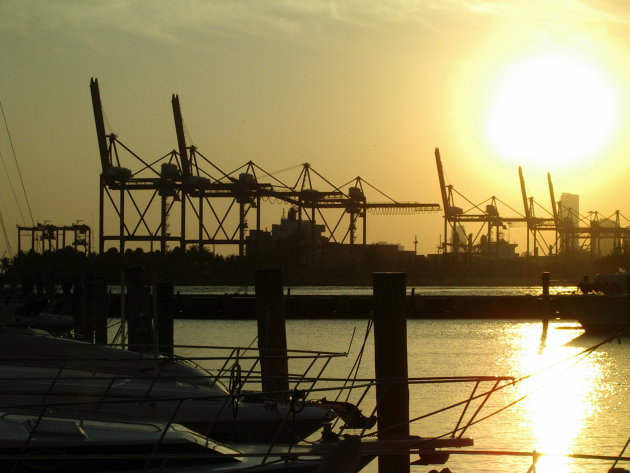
pixel 574 359
pixel 28 205
pixel 17 202
pixel 6 237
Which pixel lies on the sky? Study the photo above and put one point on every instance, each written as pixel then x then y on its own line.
pixel 355 88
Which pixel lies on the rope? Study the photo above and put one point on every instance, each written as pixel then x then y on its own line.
pixel 578 357
pixel 6 237
pixel 28 205
pixel 621 453
pixel 15 198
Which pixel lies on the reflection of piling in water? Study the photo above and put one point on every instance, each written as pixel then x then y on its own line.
pixel 390 365
pixel 546 309
pixel 272 337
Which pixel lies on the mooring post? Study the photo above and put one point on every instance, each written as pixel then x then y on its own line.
pixel 87 309
pixel 66 291
pixel 272 336
pixel 123 311
pixel 545 283
pixel 50 286
pixel 39 285
pixel 138 320
pixel 166 315
pixel 100 308
pixel 26 287
pixel 546 309
pixel 390 365
pixel 76 306
pixel 154 314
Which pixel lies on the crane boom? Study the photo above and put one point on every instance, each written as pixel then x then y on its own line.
pixel 181 139
pixel 554 208
pixel 524 193
pixel 438 162
pixel 100 124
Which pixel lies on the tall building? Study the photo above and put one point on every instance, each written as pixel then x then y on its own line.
pixel 569 214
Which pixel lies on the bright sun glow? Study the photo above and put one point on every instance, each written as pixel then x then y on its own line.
pixel 552 109
pixel 560 398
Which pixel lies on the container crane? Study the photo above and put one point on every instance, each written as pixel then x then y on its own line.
pixel 143 195
pixel 156 184
pixel 491 222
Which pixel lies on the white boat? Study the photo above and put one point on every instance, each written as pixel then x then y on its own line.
pixel 39 369
pixel 199 407
pixel 603 308
pixel 609 284
pixel 599 314
pixel 30 347
pixel 35 443
pixel 32 443
pixel 10 316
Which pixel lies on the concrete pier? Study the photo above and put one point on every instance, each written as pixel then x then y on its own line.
pixel 358 307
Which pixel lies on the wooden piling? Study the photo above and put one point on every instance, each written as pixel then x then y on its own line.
pixel 166 314
pixel 154 314
pixel 87 309
pixel 138 317
pixel 545 283
pixel 76 305
pixel 27 287
pixel 50 286
pixel 123 311
pixel 390 365
pixel 272 338
pixel 100 309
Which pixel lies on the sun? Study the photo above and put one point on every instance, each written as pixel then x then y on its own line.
pixel 552 109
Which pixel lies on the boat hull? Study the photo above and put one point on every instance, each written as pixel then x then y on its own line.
pixel 598 314
pixel 217 415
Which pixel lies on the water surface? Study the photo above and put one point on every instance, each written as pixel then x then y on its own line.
pixel 581 405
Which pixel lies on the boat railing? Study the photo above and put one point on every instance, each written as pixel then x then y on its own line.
pixel 332 385
pixel 80 419
pixel 470 410
pixel 347 399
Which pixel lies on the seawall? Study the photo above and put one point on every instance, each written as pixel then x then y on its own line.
pixel 358 307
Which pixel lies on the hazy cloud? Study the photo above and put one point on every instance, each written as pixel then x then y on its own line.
pixel 175 21
pixel 566 10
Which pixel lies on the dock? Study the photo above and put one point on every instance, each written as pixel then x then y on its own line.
pixel 243 307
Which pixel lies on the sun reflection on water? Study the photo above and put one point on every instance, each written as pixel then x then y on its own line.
pixel 561 395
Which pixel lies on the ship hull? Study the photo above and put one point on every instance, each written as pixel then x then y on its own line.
pixel 598 314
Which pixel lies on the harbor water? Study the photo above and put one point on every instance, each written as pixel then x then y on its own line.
pixel 566 401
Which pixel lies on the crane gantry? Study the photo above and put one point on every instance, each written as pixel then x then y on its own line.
pixel 571 232
pixel 185 183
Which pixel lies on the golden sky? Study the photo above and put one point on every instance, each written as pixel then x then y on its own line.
pixel 353 87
